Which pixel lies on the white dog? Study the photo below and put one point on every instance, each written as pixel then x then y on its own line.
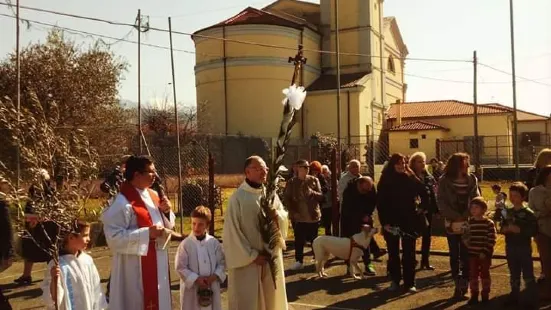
pixel 350 249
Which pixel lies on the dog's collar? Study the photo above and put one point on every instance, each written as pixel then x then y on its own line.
pixel 354 244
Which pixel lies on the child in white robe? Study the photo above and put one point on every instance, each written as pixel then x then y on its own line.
pixel 76 278
pixel 201 265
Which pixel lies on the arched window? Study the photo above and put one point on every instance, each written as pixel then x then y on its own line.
pixel 390 66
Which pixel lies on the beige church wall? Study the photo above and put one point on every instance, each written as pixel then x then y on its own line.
pixel 255 78
pixel 320 111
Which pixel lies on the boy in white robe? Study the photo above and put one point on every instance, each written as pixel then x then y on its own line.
pixel 201 266
pixel 76 277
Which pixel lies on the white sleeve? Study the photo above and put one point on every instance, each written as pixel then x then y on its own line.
pixel 120 238
pixel 239 253
pixel 99 297
pixel 182 266
pixel 220 270
pixel 45 286
pixel 282 217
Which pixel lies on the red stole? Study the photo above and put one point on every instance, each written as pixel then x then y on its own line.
pixel 149 262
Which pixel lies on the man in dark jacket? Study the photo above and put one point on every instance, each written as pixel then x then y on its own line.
pixel 359 200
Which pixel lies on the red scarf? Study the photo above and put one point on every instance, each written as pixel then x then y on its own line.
pixel 149 262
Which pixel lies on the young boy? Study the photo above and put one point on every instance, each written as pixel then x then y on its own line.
pixel 201 265
pixel 481 241
pixel 519 226
pixel 76 277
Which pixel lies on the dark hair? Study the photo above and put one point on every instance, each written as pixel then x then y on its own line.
pixel 520 188
pixel 543 175
pixel 76 228
pixel 249 161
pixel 394 159
pixel 454 164
pixel 202 212
pixel 479 201
pixel 496 187
pixel 302 163
pixel 136 164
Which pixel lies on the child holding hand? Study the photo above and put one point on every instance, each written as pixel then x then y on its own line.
pixel 75 282
pixel 201 265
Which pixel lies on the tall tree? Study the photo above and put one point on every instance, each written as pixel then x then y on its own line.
pixel 77 87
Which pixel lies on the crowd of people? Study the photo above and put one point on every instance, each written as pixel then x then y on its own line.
pixel 407 197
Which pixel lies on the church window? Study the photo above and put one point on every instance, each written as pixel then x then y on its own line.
pixel 390 66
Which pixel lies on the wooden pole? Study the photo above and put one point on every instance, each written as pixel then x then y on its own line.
pixel 475 102
pixel 18 69
pixel 176 122
pixel 139 81
pixel 516 154
pixel 338 63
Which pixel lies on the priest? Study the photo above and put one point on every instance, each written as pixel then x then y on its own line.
pixel 135 226
pixel 250 282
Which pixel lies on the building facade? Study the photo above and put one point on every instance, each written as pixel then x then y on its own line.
pixel 242 67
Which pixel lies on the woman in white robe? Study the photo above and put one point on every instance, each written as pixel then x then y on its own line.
pixel 199 258
pixel 78 287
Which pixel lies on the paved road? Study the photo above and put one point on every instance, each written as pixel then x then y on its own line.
pixel 305 292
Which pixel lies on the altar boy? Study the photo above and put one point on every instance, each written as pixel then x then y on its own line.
pixel 201 265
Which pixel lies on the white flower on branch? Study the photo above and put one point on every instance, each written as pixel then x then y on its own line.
pixel 295 95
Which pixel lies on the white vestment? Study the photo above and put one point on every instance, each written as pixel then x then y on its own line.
pixel 196 259
pixel 78 286
pixel 128 243
pixel 250 287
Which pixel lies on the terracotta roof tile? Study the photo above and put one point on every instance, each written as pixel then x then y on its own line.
pixel 251 15
pixel 328 82
pixel 441 108
pixel 418 125
pixel 521 115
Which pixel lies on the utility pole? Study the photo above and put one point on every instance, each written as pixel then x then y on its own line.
pixel 338 63
pixel 177 129
pixel 139 81
pixel 18 69
pixel 475 103
pixel 516 153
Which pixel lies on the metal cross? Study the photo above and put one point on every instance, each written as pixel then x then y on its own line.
pixel 298 61
pixel 151 306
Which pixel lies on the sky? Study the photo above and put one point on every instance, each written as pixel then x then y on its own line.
pixel 434 29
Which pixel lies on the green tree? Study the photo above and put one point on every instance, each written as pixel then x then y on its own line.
pixel 77 87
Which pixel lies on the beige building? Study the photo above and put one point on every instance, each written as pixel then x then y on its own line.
pixel 441 128
pixel 239 85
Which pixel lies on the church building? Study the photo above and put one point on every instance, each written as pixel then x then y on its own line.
pixel 242 67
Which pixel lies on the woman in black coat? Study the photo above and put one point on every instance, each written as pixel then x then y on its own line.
pixel 399 192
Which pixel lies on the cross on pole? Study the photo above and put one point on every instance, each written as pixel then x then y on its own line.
pixel 298 61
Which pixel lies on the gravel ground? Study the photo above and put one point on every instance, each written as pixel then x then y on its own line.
pixel 338 292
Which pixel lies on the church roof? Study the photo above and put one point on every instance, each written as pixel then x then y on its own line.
pixel 251 16
pixel 329 82
pixel 521 115
pixel 418 125
pixel 441 108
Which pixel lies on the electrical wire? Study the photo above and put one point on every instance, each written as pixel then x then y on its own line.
pixel 76 31
pixel 517 76
pixel 234 40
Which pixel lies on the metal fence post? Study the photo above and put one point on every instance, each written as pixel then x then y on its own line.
pixel 334 193
pixel 211 193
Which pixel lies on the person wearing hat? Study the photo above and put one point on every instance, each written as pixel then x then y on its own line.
pixel 302 197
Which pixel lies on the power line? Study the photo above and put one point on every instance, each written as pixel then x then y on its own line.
pixel 117 40
pixel 76 31
pixel 520 77
pixel 232 40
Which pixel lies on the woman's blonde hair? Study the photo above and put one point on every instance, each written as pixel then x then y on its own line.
pixel 543 159
pixel 416 156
